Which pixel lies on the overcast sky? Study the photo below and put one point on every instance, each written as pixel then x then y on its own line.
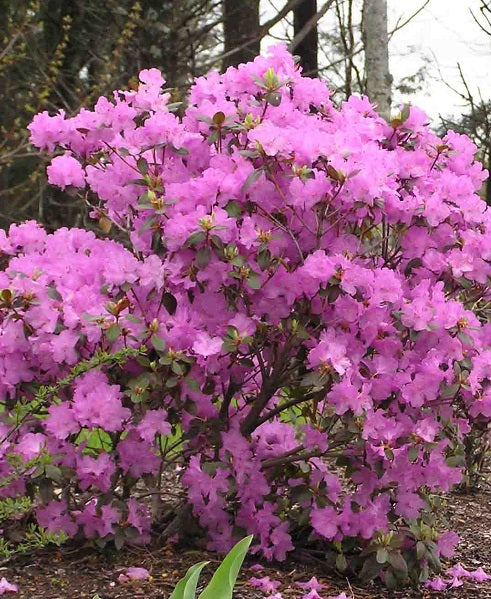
pixel 442 35
pixel 446 34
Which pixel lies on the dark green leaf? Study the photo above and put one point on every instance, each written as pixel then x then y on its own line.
pixel 177 368
pixel 158 343
pixel 203 256
pixel 169 302
pixel 254 281
pixel 142 166
pixel 341 563
pixel 273 98
pixel 251 179
pixel 113 332
pixel 465 338
pixel 195 238
pixel 398 563
pixel 390 580
pixel 264 259
pixel 233 209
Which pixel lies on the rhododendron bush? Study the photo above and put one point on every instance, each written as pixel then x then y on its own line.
pixel 298 290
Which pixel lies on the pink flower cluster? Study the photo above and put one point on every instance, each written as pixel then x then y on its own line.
pixel 455 576
pixel 307 281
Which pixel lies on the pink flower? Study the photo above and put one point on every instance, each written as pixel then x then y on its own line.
pixel 98 404
pixel 7 587
pixel 458 571
pixel 265 584
pixel 64 171
pixel 312 594
pixel 207 346
pixel 479 575
pixel 455 583
pixel 331 350
pixel 447 542
pixel 55 518
pixel 61 421
pixel 324 522
pixel 312 584
pixel 256 567
pixel 154 421
pixel 437 584
pixel 134 573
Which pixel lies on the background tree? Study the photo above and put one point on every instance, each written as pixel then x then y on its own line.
pixel 241 27
pixel 376 45
pixel 307 48
pixel 64 54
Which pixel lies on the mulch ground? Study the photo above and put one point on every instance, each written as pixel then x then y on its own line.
pixel 69 573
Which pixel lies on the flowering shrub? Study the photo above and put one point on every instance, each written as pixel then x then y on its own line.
pixel 307 284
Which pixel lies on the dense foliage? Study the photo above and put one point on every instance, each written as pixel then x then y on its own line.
pixel 291 315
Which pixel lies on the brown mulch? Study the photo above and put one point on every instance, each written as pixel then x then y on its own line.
pixel 70 573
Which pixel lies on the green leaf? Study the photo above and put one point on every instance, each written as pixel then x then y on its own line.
pixel 455 461
pixel 251 179
pixel 341 563
pixel 204 119
pixel 142 166
pixel 398 563
pixel 158 343
pixel 203 256
pixel 413 454
pixel 420 549
pixel 405 112
pixel 382 555
pixel 465 338
pixel 222 584
pixel 177 368
pixel 259 82
pixel 195 238
pixel 169 302
pixel 448 391
pixel 186 587
pixel 54 294
pixel 390 580
pixel 264 259
pixel 371 568
pixel 273 98
pixel 182 151
pixel 113 332
pixel 233 209
pixel 53 473
pixel 254 281
pixel 119 539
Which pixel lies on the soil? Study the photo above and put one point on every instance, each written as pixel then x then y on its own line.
pixel 82 573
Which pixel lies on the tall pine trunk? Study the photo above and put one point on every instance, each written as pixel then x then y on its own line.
pixel 376 42
pixel 241 31
pixel 308 47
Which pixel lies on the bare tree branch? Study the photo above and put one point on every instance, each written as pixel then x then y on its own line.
pixel 400 25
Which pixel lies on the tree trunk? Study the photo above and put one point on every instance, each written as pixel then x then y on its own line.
pixel 376 42
pixel 241 31
pixel 307 48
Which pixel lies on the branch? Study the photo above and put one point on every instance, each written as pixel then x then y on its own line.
pixel 400 25
pixel 481 26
